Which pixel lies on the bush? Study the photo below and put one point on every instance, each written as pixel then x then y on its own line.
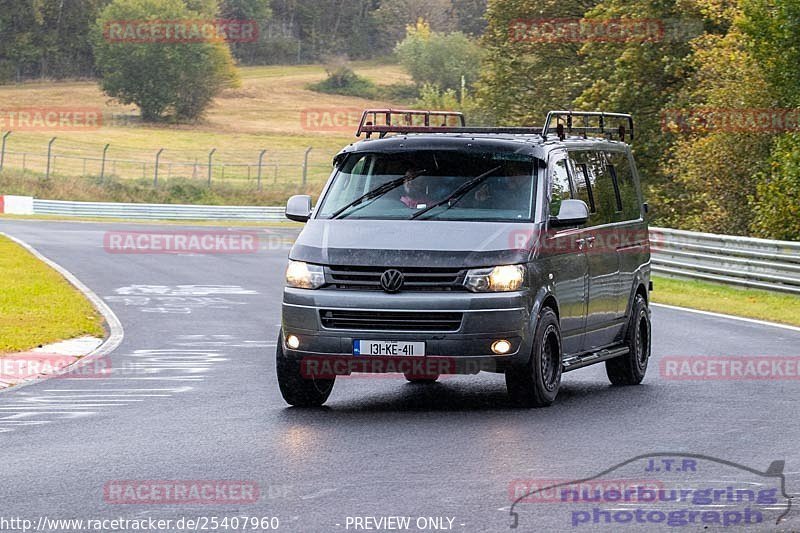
pixel 158 77
pixel 439 59
pixel 342 80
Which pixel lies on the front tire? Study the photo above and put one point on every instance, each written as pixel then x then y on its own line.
pixel 536 383
pixel 296 389
pixel 630 369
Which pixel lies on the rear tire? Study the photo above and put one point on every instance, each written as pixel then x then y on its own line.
pixel 536 383
pixel 296 389
pixel 630 369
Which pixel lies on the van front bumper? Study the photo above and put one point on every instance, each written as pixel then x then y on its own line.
pixel 485 318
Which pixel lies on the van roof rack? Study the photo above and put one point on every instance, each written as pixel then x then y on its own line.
pixel 385 121
pixel 568 118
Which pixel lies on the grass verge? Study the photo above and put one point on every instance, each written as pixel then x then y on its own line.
pixel 92 189
pixel 749 303
pixel 37 305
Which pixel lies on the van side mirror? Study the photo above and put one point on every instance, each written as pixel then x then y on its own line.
pixel 571 213
pixel 298 208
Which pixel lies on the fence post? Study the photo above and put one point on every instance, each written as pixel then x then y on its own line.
pixel 3 149
pixel 103 163
pixel 260 164
pixel 155 175
pixel 305 167
pixel 49 151
pixel 210 155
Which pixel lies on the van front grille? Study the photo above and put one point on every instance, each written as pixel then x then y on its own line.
pixel 415 278
pixel 390 320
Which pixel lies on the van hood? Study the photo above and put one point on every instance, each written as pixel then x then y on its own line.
pixel 413 243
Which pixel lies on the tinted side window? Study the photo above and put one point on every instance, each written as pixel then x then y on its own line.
pixel 631 209
pixel 595 186
pixel 560 185
pixel 605 195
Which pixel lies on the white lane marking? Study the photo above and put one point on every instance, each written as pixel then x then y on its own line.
pixel 171 389
pixel 182 290
pixel 112 396
pixel 163 365
pixel 729 317
pixel 155 378
pixel 181 299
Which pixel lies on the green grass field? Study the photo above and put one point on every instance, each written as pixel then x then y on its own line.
pixel 750 303
pixel 273 110
pixel 37 305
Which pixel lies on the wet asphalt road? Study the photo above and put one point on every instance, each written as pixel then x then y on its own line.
pixel 193 396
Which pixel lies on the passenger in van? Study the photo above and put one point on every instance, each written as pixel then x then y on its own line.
pixel 414 194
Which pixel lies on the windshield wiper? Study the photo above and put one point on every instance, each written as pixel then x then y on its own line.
pixel 458 193
pixel 377 191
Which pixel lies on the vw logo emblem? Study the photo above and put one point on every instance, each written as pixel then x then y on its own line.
pixel 392 280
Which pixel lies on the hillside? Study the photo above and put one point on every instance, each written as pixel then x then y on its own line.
pixel 272 110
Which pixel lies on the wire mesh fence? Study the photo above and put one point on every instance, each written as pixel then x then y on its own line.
pixel 258 168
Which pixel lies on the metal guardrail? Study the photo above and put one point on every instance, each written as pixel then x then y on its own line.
pixel 756 263
pixel 156 211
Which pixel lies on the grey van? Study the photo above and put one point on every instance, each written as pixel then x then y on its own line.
pixel 438 248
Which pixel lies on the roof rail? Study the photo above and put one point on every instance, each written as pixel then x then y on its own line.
pixel 602 128
pixel 385 121
pixel 406 121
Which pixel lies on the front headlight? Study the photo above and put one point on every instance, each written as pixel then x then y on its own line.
pixel 301 275
pixel 498 279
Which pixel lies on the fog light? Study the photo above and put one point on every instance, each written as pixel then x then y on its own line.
pixel 501 347
pixel 292 342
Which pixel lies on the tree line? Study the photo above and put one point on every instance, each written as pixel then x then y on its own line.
pixel 53 38
pixel 700 76
pixel 715 92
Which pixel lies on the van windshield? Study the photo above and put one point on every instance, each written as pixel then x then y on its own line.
pixel 470 186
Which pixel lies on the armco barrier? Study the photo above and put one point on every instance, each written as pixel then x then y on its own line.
pixel 757 263
pixel 156 211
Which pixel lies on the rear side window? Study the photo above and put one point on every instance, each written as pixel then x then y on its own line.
pixel 626 186
pixel 595 186
pixel 604 180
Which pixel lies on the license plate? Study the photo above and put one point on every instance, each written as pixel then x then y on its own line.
pixel 393 348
